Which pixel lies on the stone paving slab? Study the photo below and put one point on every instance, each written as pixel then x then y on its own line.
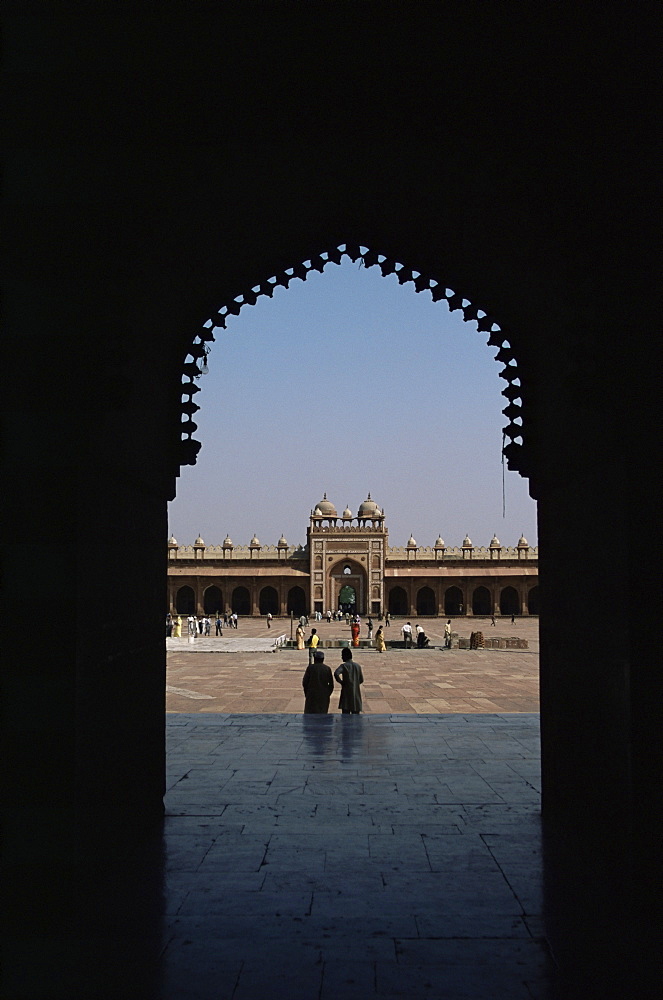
pixel 202 678
pixel 353 884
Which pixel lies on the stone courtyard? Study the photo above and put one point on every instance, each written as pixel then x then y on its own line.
pixel 240 673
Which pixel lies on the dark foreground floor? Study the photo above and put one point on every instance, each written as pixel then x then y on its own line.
pixel 354 857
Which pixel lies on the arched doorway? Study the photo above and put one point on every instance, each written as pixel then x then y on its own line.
pixel 347 599
pixel 185 601
pixel 347 587
pixel 533 601
pixel 241 601
pixel 426 604
pixel 398 604
pixel 212 600
pixel 268 602
pixel 481 604
pixel 296 605
pixel 509 603
pixel 453 602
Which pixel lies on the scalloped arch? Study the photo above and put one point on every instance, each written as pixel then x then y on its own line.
pixel 198 349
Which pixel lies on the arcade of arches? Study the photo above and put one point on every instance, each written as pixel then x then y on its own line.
pixel 348 565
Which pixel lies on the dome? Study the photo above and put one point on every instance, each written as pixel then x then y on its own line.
pixel 255 540
pixel 439 542
pixel 523 543
pixel 283 542
pixel 326 508
pixel 172 540
pixel 227 541
pixel 347 513
pixel 368 508
pixel 495 543
pixel 467 542
pixel 199 541
pixel 317 512
pixel 411 544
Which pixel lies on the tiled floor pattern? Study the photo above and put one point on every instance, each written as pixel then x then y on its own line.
pixel 334 858
pixel 399 681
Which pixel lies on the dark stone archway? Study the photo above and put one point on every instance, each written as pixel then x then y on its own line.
pixel 241 601
pixel 185 601
pixel 213 600
pixel 126 235
pixel 426 603
pixel 453 601
pixel 481 603
pixel 297 602
pixel 509 601
pixel 533 601
pixel 268 601
pixel 398 602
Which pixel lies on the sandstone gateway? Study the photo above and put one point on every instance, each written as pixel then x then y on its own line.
pixel 347 564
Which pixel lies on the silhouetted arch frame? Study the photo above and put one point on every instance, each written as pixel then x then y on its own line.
pixel 485 323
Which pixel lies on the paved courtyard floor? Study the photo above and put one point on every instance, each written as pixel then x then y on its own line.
pixel 350 857
pixel 241 673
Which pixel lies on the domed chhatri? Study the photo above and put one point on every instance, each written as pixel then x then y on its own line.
pixel 523 543
pixel 368 508
pixel 255 541
pixel 411 542
pixel 199 541
pixel 227 542
pixel 467 542
pixel 440 543
pixel 172 540
pixel 283 542
pixel 347 514
pixel 326 508
pixel 495 543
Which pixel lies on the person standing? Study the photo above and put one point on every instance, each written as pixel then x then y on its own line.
pixel 299 635
pixel 208 626
pixel 269 619
pixel 447 634
pixel 235 619
pixel 313 641
pixel 177 630
pixel 219 630
pixel 492 620
pixel 349 675
pixel 369 626
pixel 387 619
pixel 318 685
pixel 380 644
pixel 407 635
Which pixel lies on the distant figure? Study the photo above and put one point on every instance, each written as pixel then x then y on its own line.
pixel 349 676
pixel 513 619
pixel 447 634
pixel 269 619
pixel 177 629
pixel 225 618
pixel 218 623
pixel 369 626
pixel 329 617
pixel 380 644
pixel 354 628
pixel 387 619
pixel 318 685
pixel 303 621
pixel 407 635
pixel 169 626
pixel 422 638
pixel 299 635
pixel 492 619
pixel 313 641
pixel 208 625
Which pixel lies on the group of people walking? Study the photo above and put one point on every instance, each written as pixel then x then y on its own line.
pixel 201 625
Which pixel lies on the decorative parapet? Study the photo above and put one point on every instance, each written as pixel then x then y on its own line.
pixel 221 552
pixel 428 552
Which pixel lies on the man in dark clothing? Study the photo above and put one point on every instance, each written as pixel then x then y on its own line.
pixel 318 685
pixel 349 675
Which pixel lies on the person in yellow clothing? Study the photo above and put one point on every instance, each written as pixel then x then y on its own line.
pixel 299 635
pixel 313 641
pixel 177 630
pixel 380 644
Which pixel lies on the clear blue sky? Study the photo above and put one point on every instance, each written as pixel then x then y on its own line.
pixel 349 383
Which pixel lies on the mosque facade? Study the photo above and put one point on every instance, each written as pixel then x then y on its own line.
pixel 348 564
